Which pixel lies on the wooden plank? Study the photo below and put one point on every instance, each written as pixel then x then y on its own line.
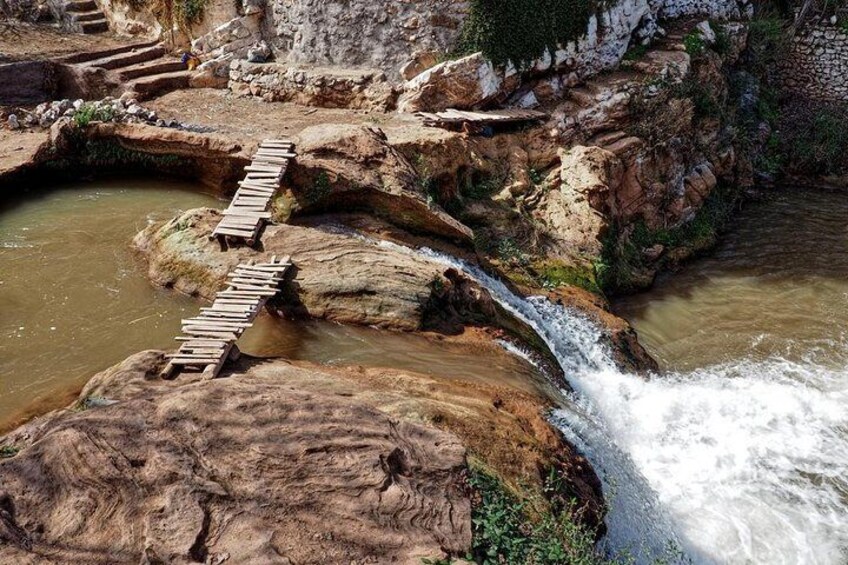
pixel 265 276
pixel 247 281
pixel 248 293
pixel 256 215
pixel 212 327
pixel 229 336
pixel 217 323
pixel 276 155
pixel 242 301
pixel 252 288
pixel 191 342
pixel 198 362
pixel 229 308
pixel 240 223
pixel 265 185
pixel 236 233
pixel 266 192
pixel 269 171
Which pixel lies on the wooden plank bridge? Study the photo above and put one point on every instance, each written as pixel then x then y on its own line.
pixel 249 210
pixel 210 338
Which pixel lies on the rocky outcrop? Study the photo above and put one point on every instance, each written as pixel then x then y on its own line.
pixel 468 82
pixel 206 472
pixel 477 83
pixel 347 168
pixel 577 215
pixel 337 277
pixel 309 86
pixel 473 82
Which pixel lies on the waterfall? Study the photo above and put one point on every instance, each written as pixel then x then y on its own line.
pixel 739 463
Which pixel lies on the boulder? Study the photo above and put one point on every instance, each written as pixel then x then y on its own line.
pixel 420 62
pixel 338 277
pixel 465 83
pixel 347 167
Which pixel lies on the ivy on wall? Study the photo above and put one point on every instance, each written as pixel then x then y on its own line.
pixel 521 31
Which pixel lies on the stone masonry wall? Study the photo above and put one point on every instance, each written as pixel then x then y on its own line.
pixel 379 34
pixel 817 64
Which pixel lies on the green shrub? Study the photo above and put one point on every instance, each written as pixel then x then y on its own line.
pixel 508 530
pixel 88 113
pixel 636 52
pixel 768 41
pixel 722 44
pixel 521 31
pixel 694 44
pixel 189 12
pixel 8 451
pixel 813 137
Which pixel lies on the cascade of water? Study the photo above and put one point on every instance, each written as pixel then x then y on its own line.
pixel 740 463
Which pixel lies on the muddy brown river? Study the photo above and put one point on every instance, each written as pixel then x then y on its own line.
pixel 777 287
pixel 74 300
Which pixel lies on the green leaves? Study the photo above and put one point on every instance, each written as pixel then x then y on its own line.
pixel 520 31
pixel 509 530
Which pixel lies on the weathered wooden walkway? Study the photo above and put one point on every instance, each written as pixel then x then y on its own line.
pixel 249 210
pixel 210 339
pixel 453 117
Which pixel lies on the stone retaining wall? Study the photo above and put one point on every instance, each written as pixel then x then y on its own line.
pixel 817 63
pixel 363 33
pixel 322 87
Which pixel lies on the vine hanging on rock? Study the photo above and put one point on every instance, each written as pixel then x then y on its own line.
pixel 521 31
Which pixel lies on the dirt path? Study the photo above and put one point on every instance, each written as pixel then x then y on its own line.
pixel 254 118
pixel 29 41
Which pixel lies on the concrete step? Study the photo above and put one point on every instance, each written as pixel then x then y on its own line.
pixel 148 68
pixel 86 56
pixel 96 26
pixel 81 6
pixel 94 15
pixel 155 85
pixel 121 60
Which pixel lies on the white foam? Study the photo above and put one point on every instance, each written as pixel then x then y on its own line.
pixel 740 463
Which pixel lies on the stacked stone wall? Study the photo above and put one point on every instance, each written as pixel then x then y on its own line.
pixel 816 65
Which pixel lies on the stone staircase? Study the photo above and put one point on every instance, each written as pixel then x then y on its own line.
pixel 147 69
pixel 80 16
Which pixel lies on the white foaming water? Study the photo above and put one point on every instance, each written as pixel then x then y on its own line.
pixel 739 463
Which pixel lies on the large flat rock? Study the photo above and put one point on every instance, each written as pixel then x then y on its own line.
pixel 248 469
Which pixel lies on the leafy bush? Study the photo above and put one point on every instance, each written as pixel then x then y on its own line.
pixel 189 12
pixel 694 44
pixel 768 40
pixel 813 137
pixel 509 530
pixel 521 31
pixel 8 451
pixel 88 113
